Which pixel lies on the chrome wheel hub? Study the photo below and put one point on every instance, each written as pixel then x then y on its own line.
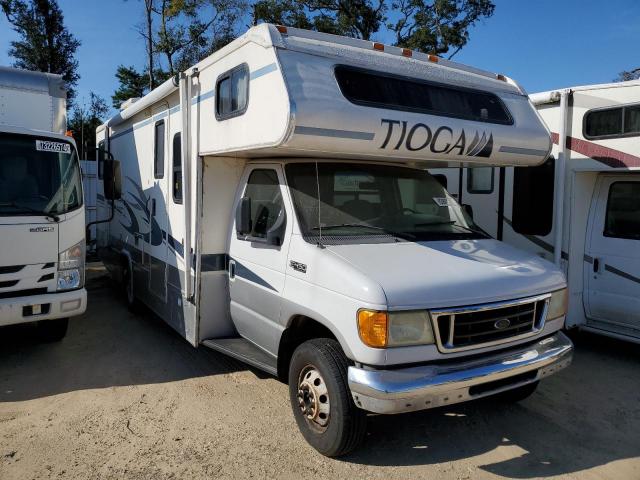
pixel 313 397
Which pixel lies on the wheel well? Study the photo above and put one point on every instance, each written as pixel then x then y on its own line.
pixel 299 331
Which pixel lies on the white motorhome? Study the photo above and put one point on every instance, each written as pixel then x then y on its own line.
pixel 272 203
pixel 581 208
pixel 42 230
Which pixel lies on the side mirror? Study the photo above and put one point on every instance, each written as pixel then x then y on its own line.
pixel 468 209
pixel 243 216
pixel 112 180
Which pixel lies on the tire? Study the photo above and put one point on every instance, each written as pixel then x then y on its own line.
pixel 133 304
pixel 331 423
pixel 52 330
pixel 517 394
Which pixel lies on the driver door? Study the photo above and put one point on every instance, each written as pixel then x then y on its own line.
pixel 256 268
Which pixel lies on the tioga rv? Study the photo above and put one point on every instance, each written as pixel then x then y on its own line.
pixel 272 203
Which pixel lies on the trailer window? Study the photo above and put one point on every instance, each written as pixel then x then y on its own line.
pixel 480 180
pixel 232 92
pixel 158 151
pixel 612 122
pixel 375 89
pixel 177 168
pixel 623 211
pixel 533 189
pixel 263 189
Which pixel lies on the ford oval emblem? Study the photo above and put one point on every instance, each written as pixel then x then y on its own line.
pixel 502 324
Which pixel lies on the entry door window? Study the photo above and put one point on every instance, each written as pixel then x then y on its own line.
pixel 623 211
pixel 263 189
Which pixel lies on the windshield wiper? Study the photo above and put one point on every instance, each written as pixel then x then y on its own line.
pixel 453 222
pixel 49 215
pixel 373 227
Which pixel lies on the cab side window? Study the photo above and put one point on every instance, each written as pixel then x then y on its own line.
pixel 480 180
pixel 623 211
pixel 267 206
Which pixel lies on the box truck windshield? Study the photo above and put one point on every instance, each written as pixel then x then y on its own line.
pixel 352 203
pixel 38 176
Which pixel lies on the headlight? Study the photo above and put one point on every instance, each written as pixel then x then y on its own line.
pixel 394 329
pixel 71 267
pixel 558 304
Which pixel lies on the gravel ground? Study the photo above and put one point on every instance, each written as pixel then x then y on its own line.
pixel 123 396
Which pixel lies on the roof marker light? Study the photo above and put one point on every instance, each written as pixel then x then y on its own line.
pixel 378 46
pixel 434 58
pixel 282 29
pixel 68 133
pixel 406 52
pixel 499 76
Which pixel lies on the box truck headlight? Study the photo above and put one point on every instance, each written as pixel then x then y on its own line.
pixel 558 304
pixel 394 329
pixel 71 267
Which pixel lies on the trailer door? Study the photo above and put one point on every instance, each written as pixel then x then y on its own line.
pixel 612 260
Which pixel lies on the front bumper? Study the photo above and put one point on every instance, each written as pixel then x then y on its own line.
pixel 429 386
pixel 52 305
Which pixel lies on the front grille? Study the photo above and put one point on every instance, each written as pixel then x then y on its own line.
pixel 23 293
pixel 11 269
pixel 9 283
pixel 480 325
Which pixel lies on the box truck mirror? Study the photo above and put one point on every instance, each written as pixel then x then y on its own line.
pixel 243 216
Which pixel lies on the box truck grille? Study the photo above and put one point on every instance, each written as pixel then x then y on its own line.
pixel 11 269
pixel 488 324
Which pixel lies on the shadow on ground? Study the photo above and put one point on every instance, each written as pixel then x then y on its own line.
pixel 587 415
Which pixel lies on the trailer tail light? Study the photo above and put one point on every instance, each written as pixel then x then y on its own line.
pixel 378 46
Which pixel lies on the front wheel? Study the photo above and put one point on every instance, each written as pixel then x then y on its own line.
pixel 52 330
pixel 322 404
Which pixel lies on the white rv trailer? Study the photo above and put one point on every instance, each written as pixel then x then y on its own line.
pixel 272 203
pixel 594 176
pixel 42 230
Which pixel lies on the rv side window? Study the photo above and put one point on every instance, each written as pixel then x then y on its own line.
pixel 480 180
pixel 263 189
pixel 158 151
pixel 177 168
pixel 100 158
pixel 232 92
pixel 533 199
pixel 612 122
pixel 375 89
pixel 623 211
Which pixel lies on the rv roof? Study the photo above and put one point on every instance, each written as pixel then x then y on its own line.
pixel 553 96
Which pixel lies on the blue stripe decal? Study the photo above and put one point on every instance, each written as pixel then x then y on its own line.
pixel 202 97
pixel 176 245
pixel 272 67
pixel 246 274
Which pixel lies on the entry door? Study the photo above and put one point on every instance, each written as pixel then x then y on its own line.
pixel 257 269
pixel 612 266
pixel 157 207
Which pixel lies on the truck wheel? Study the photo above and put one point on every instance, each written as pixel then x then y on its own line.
pixel 320 397
pixel 517 394
pixel 133 304
pixel 52 330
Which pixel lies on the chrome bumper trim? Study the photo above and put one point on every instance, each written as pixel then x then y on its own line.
pixel 430 386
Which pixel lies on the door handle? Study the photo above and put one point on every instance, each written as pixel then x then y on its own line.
pixel 596 265
pixel 153 207
pixel 232 270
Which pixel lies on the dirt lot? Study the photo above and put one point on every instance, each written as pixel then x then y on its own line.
pixel 123 396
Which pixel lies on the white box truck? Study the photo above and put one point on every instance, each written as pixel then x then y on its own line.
pixel 581 208
pixel 42 231
pixel 272 203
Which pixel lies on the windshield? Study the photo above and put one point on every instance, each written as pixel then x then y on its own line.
pixel 356 203
pixel 38 176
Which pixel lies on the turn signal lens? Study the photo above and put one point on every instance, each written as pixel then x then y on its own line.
pixel 373 327
pixel 558 304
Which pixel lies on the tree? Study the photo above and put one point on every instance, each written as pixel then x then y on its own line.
pixel 432 26
pixel 84 121
pixel 44 43
pixel 628 75
pixel 131 84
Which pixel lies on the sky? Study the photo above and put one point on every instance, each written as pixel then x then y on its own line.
pixel 542 44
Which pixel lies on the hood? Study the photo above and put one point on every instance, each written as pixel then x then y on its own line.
pixel 451 273
pixel 28 243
